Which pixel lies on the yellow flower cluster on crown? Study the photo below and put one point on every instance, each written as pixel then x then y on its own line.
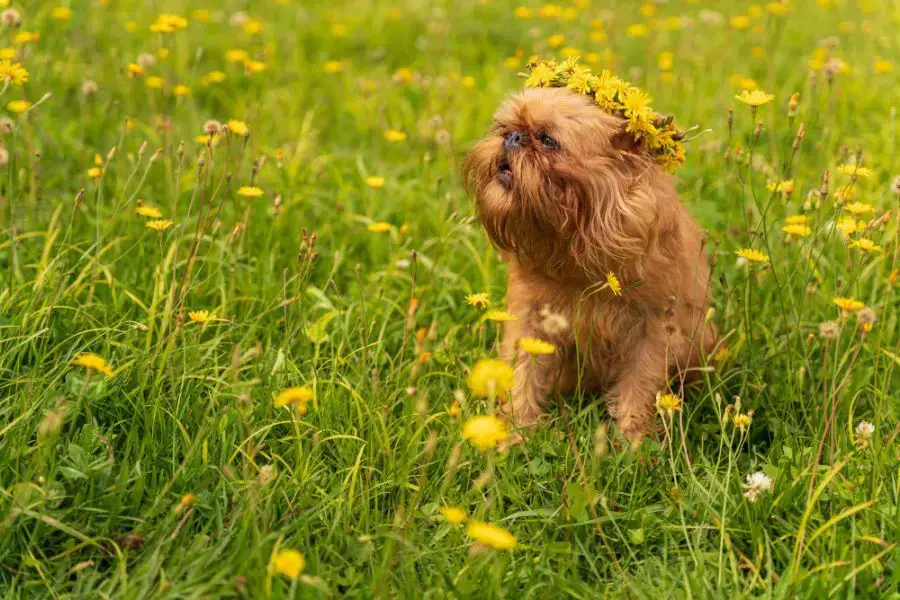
pixel 617 97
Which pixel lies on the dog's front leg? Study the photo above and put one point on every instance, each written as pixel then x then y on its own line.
pixel 643 373
pixel 534 376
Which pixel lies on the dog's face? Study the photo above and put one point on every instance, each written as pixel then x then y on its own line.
pixel 557 183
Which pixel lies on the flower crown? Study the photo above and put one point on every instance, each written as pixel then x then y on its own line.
pixel 616 97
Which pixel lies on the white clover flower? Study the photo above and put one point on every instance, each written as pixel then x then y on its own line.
pixel 757 484
pixel 864 431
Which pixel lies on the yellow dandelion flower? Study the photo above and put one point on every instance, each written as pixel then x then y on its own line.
pixel 491 535
pixel 740 22
pixel 213 77
pixel 333 66
pixel 93 362
pixel 485 432
pixel 24 37
pixel 254 66
pixel 668 403
pixel 154 83
pixel 18 106
pixel 848 304
pixel 490 377
pixel 249 191
pixel 523 12
pixel 742 420
pixel 7 53
pixel 201 316
pixel 637 30
pixel 549 11
pixel 453 514
pixel 796 219
pixel 237 127
pixel 665 61
pixel 289 563
pixel 535 347
pixel 847 226
pixel 755 98
pixel 61 13
pixel 855 170
pixel 393 135
pixel 253 27
pixel 375 182
pixel 784 187
pixel 499 316
pixel 753 255
pixel 866 245
pixel 380 227
pixel 181 90
pixel 159 224
pixel 163 53
pixel 13 73
pixel 779 9
pixel 237 55
pixel 95 172
pixel 541 76
pixel 557 40
pixel 883 66
pixel 479 300
pixel 298 397
pixel 135 69
pixel 859 208
pixel 467 82
pixel 612 282
pixel 797 230
pixel 148 211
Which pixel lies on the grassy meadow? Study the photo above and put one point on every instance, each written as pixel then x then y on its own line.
pixel 239 311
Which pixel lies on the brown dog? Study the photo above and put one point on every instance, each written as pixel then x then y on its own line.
pixel 568 197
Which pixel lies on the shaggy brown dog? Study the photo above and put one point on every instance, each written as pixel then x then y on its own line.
pixel 568 196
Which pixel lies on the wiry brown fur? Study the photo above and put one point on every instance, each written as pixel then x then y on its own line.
pixel 566 218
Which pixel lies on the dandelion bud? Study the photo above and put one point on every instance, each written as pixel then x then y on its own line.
pixel 4 156
pixel 895 185
pixel 730 121
pixel 142 149
pixel 757 130
pixel 79 196
pixel 799 138
pixel 6 126
pixel 155 155
pixel 110 154
pixel 794 101
pixel 823 189
pixel 51 423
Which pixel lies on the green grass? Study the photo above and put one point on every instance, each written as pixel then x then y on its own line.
pixel 93 470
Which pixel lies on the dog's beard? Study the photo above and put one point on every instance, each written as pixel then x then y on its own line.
pixel 528 207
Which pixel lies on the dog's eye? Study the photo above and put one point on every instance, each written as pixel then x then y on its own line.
pixel 549 142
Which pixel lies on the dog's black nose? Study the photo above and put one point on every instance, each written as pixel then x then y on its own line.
pixel 513 141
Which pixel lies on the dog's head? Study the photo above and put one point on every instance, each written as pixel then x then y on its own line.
pixel 560 184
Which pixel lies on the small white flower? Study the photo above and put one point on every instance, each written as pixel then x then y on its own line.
pixel 864 431
pixel 757 484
